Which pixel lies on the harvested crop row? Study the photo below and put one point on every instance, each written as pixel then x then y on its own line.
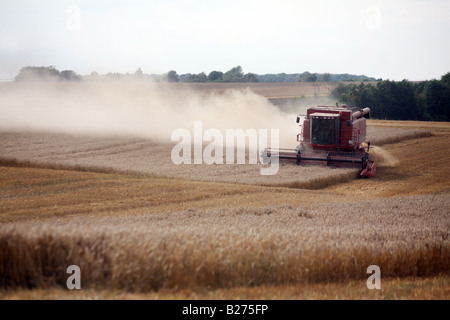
pixel 103 154
pixel 383 136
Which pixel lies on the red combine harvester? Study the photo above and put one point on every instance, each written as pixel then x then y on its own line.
pixel 331 136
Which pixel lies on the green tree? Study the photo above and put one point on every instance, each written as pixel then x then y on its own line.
pixel 406 107
pixel 307 77
pixel 215 76
pixel 438 101
pixel 326 77
pixel 368 97
pixel 172 76
pixel 250 77
pixel 234 75
pixel 311 78
pixel 446 79
pixel 387 100
pixel 339 91
pixel 201 77
pixel 69 75
pixel 38 74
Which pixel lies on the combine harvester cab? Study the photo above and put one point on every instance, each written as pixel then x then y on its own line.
pixel 331 136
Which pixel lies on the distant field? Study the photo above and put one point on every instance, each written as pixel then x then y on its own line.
pixel 268 90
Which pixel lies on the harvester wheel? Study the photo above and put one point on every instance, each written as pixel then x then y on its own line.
pixel 299 157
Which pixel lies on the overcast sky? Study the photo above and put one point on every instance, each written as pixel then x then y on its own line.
pixel 396 39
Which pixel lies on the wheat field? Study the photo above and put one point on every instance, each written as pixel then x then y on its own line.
pixel 137 233
pixel 141 227
pixel 226 248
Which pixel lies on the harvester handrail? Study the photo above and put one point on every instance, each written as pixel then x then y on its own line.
pixel 280 149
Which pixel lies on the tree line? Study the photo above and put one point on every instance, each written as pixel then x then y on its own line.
pixel 32 73
pixel 236 74
pixel 403 100
pixel 46 74
pixel 315 77
pixel 233 75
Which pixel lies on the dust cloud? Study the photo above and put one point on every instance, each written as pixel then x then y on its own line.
pixel 149 110
pixel 383 157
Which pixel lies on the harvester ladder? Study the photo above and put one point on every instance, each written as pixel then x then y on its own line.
pixel 355 136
